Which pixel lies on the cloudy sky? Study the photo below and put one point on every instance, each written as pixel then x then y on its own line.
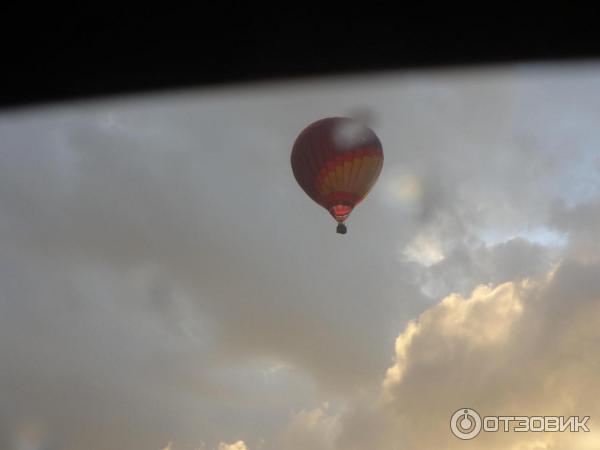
pixel 166 284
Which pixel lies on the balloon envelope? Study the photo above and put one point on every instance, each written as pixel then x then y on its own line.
pixel 337 161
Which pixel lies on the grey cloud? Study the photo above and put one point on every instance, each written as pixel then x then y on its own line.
pixel 467 266
pixel 525 349
pixel 163 278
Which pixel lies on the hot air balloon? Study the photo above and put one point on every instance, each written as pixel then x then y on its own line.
pixel 337 161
